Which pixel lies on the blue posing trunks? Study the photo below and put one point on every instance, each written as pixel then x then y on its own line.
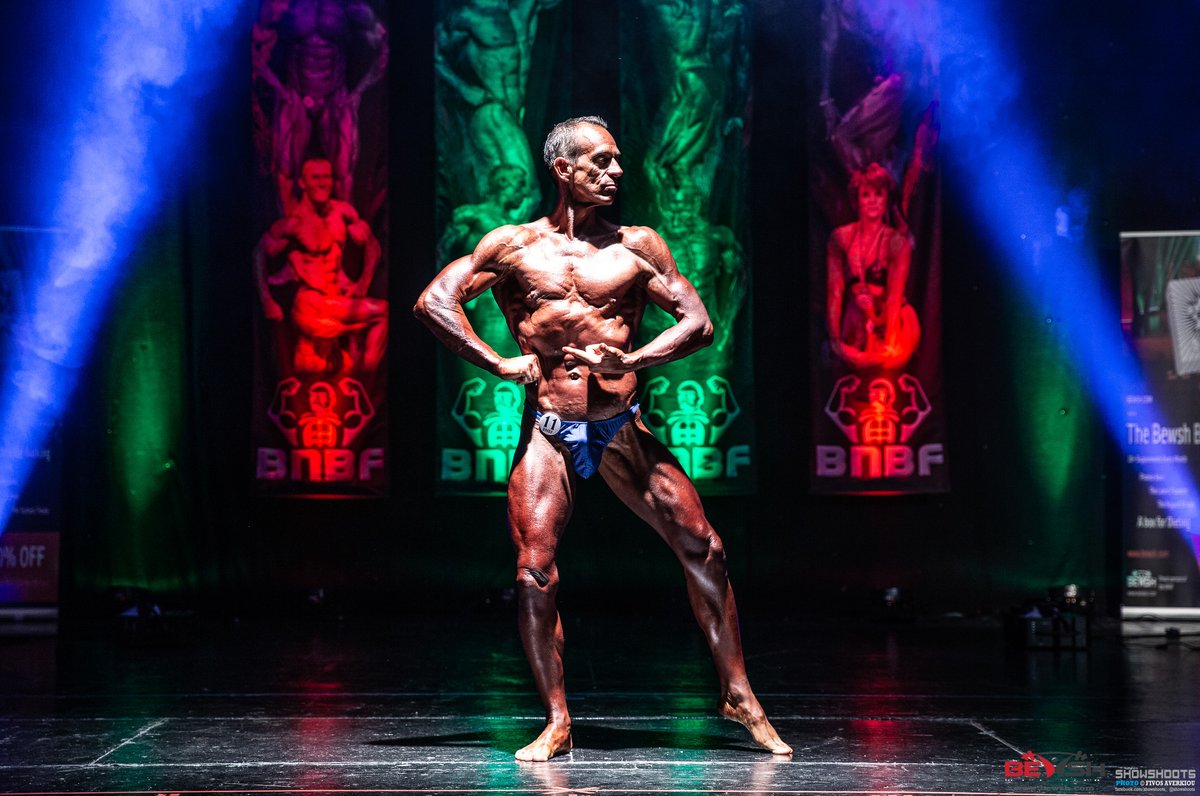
pixel 585 439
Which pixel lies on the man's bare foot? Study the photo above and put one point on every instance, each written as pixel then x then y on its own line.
pixel 554 740
pixel 749 714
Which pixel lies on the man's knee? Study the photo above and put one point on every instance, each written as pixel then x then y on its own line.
pixel 702 545
pixel 536 575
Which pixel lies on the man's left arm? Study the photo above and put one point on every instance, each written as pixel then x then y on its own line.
pixel 360 232
pixel 670 290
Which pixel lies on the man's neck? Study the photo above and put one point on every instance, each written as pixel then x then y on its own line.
pixel 319 208
pixel 575 220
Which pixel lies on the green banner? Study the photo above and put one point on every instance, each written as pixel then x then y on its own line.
pixel 685 98
pixel 492 112
pixel 501 83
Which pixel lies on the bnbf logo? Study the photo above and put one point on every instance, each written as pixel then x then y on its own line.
pixel 691 419
pixel 698 418
pixel 878 422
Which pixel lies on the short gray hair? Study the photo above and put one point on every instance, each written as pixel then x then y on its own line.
pixel 562 141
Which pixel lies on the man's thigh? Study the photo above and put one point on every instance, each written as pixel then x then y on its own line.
pixel 541 492
pixel 649 479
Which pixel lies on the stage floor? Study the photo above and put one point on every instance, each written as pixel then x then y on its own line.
pixel 439 705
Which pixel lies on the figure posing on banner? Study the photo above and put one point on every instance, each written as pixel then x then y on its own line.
pixel 502 204
pixel 871 323
pixel 693 118
pixel 483 52
pixel 574 288
pixel 338 328
pixel 312 95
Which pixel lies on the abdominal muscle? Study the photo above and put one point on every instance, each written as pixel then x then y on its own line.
pixel 591 396
pixel 568 387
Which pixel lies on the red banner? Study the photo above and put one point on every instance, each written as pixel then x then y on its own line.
pixel 320 272
pixel 878 417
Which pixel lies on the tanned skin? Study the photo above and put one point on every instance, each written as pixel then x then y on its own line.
pixel 573 288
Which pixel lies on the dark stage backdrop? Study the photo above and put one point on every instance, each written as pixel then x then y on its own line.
pixel 155 489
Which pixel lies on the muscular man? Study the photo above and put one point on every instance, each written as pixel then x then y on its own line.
pixel 483 51
pixel 573 288
pixel 312 96
pixel 330 308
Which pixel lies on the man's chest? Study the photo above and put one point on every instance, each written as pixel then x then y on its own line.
pixel 576 271
pixel 319 235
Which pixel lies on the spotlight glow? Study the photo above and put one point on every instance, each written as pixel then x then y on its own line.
pixel 1005 173
pixel 147 57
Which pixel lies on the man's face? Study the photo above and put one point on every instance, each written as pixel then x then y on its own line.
pixel 594 174
pixel 316 180
pixel 508 186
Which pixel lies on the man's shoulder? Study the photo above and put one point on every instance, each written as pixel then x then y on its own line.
pixel 514 234
pixel 506 240
pixel 344 209
pixel 645 242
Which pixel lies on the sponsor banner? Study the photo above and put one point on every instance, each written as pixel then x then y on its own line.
pixel 320 266
pixel 1161 316
pixel 29 535
pixel 29 567
pixel 684 134
pixel 878 418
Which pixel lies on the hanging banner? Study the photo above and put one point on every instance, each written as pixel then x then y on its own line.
pixel 1160 278
pixel 685 132
pixel 320 266
pixel 878 417
pixel 29 535
pixel 494 106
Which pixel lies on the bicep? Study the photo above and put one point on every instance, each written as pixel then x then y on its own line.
pixel 276 239
pixel 665 285
pixel 462 280
pixel 671 290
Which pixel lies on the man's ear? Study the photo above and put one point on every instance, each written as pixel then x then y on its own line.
pixel 562 168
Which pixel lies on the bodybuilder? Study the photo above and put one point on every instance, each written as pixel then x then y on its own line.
pixel 572 287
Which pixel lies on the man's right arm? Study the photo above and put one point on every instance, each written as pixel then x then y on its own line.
pixel 273 243
pixel 440 306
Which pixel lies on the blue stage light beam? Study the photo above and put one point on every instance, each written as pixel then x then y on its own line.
pixel 150 64
pixel 1005 171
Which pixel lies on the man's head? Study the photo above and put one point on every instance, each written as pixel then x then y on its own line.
pixel 506 184
pixel 583 157
pixel 320 397
pixel 881 393
pixel 506 397
pixel 316 180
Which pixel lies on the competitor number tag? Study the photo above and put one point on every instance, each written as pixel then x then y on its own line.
pixel 550 423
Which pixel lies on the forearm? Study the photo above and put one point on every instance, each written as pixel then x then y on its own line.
pixel 371 254
pixel 448 321
pixel 260 276
pixel 675 342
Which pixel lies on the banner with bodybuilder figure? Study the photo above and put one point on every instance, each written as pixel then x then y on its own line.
pixel 877 408
pixel 319 269
pixel 494 108
pixel 685 91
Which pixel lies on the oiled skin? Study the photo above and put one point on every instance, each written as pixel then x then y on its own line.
pixel 573 288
